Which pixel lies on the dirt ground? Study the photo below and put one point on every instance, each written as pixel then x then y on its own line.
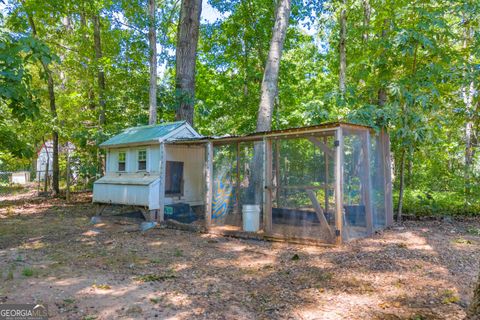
pixel 49 253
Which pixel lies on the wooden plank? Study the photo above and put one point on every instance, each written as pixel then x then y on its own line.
pixel 208 184
pixel 237 208
pixel 309 187
pixel 339 187
pixel 325 189
pixel 267 190
pixel 322 146
pixel 67 192
pixel 161 183
pixel 367 182
pixel 319 211
pixel 387 175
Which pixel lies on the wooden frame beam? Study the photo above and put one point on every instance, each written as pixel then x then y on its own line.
pixel 387 175
pixel 327 171
pixel 339 186
pixel 320 215
pixel 208 184
pixel 322 146
pixel 161 184
pixel 268 183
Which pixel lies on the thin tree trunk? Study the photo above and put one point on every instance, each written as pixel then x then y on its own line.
pixel 97 46
pixel 473 312
pixel 366 19
pixel 382 92
pixel 468 93
pixel 402 185
pixel 45 176
pixel 100 73
pixel 270 76
pixel 152 38
pixel 187 41
pixel 53 112
pixel 342 49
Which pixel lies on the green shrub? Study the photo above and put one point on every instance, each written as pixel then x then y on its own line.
pixel 424 203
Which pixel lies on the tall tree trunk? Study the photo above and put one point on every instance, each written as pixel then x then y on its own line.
pixel 187 41
pixel 473 312
pixel 405 124
pixel 382 92
pixel 269 90
pixel 468 91
pixel 97 46
pixel 100 73
pixel 342 49
pixel 270 76
pixel 402 184
pixel 366 19
pixel 152 38
pixel 53 112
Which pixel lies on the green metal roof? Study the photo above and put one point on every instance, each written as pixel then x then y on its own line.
pixel 142 134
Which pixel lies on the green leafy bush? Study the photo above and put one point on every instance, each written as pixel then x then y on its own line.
pixel 424 203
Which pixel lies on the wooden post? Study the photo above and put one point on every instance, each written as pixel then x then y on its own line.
pixel 325 190
pixel 267 182
pixel 208 184
pixel 387 175
pixel 67 192
pixel 237 191
pixel 339 186
pixel 367 182
pixel 45 175
pixel 161 185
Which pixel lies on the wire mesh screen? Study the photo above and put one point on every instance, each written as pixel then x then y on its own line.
pixel 238 186
pixel 377 172
pixel 303 192
pixel 356 183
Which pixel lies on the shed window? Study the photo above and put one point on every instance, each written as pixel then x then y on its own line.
pixel 142 160
pixel 174 178
pixel 121 161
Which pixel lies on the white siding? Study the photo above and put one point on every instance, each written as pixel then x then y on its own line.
pixel 120 188
pixel 128 194
pixel 131 156
pixel 154 158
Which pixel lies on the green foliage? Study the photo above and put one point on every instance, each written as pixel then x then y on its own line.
pixel 442 203
pixel 420 55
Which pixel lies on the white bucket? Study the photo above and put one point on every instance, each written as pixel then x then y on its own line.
pixel 251 217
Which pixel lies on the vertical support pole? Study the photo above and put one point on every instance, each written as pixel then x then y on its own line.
pixel 161 184
pixel 267 184
pixel 387 175
pixel 367 182
pixel 67 192
pixel 208 184
pixel 326 189
pixel 339 186
pixel 237 184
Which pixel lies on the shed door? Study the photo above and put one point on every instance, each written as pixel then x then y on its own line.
pixel 174 178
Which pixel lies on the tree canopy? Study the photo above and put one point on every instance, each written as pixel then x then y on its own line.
pixel 410 66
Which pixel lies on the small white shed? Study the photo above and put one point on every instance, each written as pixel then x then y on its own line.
pixel 45 159
pixel 141 170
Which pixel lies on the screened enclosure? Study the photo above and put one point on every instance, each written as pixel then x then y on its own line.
pixel 323 184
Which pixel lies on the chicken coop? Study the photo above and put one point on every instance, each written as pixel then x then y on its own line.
pixel 324 184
